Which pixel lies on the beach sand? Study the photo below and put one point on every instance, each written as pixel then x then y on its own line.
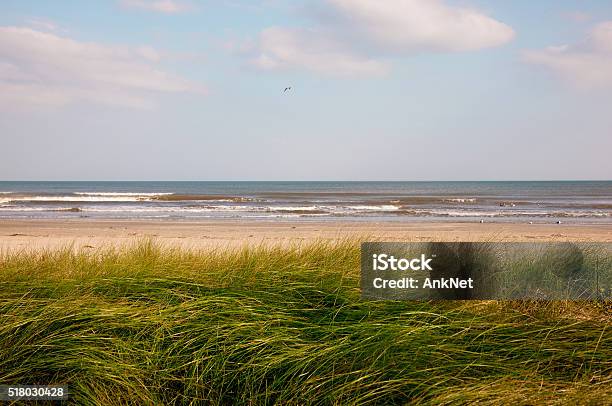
pixel 87 233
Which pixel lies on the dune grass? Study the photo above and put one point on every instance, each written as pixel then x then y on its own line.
pixel 281 325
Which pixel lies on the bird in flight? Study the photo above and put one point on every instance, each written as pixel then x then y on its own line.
pixel 286 89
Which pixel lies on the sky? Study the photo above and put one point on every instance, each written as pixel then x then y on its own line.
pixel 380 90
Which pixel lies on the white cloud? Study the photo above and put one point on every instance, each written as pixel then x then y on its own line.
pixel 284 48
pixel 356 36
pixel 601 37
pixel 160 6
pixel 587 64
pixel 45 69
pixel 42 24
pixel 409 25
pixel 149 53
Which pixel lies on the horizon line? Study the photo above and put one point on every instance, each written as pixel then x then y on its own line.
pixel 307 181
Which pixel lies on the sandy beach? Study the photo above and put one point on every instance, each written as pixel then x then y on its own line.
pixel 87 233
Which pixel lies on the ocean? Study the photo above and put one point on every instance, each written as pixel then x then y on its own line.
pixel 538 202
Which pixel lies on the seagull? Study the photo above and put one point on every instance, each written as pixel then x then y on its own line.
pixel 287 88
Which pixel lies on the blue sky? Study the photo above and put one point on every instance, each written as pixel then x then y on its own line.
pixel 391 90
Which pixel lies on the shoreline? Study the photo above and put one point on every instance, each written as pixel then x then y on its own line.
pixel 87 233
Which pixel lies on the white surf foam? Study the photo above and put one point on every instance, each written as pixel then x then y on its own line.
pixel 120 194
pixel 87 197
pixel 460 200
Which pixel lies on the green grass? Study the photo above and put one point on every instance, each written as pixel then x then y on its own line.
pixel 281 325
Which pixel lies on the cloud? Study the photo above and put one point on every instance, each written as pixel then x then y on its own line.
pixel 284 48
pixel 358 36
pixel 42 24
pixel 587 64
pixel 41 68
pixel 409 25
pixel 160 6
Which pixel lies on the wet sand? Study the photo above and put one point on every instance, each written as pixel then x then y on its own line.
pixel 87 233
